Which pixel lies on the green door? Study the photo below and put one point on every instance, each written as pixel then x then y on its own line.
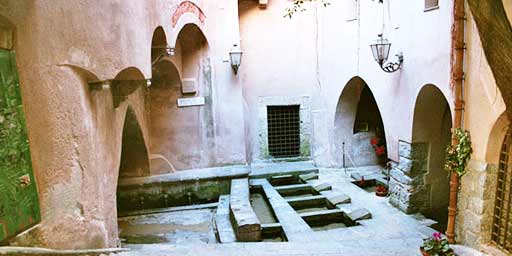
pixel 19 204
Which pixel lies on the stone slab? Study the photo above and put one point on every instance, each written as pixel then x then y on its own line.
pixel 246 224
pixel 359 214
pixel 337 198
pixel 319 187
pixel 295 228
pixel 225 231
pixel 308 176
pixel 265 170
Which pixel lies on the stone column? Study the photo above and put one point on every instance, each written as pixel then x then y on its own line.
pixel 407 187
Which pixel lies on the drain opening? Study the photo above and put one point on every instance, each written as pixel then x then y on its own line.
pixel 283 131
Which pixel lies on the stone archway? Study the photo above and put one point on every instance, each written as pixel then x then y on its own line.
pixel 358 124
pixel 182 135
pixel 432 128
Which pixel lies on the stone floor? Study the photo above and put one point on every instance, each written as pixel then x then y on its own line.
pixel 389 232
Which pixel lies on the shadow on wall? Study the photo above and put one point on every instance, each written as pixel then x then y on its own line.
pixel 358 124
pixel 134 155
pixel 180 104
pixel 432 126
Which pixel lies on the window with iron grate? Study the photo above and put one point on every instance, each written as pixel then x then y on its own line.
pixel 283 131
pixel 502 220
pixel 431 4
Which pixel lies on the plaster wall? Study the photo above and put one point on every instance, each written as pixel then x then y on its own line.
pixel 75 133
pixel 286 57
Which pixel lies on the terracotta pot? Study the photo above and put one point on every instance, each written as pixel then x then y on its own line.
pixel 423 252
pixel 381 193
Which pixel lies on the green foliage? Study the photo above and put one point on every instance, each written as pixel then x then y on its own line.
pixel 18 198
pixel 298 5
pixel 436 245
pixel 457 156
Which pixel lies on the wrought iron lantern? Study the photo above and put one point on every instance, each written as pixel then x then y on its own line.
pixel 236 58
pixel 380 52
pixel 170 51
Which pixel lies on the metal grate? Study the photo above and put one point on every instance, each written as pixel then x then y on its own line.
pixel 502 226
pixel 429 4
pixel 283 131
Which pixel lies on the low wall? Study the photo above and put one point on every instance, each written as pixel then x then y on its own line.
pixel 177 189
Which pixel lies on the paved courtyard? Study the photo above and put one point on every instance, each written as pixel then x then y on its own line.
pixel 388 232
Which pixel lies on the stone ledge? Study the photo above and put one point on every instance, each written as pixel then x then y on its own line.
pixel 193 175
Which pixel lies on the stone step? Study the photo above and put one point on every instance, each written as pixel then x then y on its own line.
pixel 225 231
pixel 245 222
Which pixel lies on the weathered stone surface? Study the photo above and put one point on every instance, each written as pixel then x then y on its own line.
pixel 337 198
pixel 246 224
pixel 360 214
pixel 222 222
pixel 308 176
pixel 401 177
pixel 294 226
pixel 319 187
pixel 412 151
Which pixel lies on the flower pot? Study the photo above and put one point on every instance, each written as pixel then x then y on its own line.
pixel 423 252
pixel 381 193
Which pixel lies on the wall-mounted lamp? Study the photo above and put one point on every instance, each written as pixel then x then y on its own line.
pixel 236 58
pixel 380 52
pixel 170 51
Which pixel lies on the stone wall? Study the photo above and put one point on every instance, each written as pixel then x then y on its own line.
pixel 476 204
pixel 407 187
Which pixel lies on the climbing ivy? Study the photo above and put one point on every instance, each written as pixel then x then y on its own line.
pixel 458 155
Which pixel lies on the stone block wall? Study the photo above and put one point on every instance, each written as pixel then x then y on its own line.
pixel 476 204
pixel 408 191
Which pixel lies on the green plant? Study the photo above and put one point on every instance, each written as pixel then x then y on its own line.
pixel 458 155
pixel 437 245
pixel 297 6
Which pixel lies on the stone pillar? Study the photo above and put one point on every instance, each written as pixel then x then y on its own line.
pixel 407 187
pixel 476 204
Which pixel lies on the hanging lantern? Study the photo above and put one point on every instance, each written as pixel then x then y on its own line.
pixel 380 51
pixel 236 58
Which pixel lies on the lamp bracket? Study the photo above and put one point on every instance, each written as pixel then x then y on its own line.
pixel 391 67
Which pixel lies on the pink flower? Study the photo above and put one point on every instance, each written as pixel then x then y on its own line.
pixel 437 236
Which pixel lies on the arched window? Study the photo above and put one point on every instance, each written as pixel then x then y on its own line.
pixel 502 220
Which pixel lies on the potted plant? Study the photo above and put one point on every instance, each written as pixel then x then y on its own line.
pixel 381 190
pixel 436 245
